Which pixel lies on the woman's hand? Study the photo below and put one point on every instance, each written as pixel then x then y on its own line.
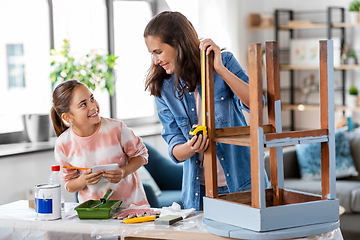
pixel 240 88
pixel 208 45
pixel 115 176
pixel 91 178
pixel 198 144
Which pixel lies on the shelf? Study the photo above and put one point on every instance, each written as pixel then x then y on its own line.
pixel 303 26
pixel 294 23
pixel 347 67
pixel 342 25
pixel 301 107
pixel 269 27
pixel 303 67
pixel 317 25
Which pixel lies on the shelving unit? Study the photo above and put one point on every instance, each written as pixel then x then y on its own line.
pixel 329 25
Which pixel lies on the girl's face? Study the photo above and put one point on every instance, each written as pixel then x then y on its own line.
pixel 84 112
pixel 162 54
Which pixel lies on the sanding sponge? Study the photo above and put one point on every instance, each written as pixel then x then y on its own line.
pixel 167 220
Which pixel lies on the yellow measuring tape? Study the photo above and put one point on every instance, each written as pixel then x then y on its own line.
pixel 201 130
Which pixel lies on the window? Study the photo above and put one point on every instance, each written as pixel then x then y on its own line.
pixel 132 101
pixel 15 61
pixel 25 85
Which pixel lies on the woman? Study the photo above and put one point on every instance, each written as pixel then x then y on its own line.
pixel 175 81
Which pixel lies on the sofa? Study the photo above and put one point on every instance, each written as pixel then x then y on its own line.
pixel 165 188
pixel 347 188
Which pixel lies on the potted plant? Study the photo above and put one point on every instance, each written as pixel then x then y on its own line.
pixel 93 69
pixel 352 58
pixel 354 11
pixel 353 96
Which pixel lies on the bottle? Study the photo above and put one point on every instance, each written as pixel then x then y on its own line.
pixel 56 178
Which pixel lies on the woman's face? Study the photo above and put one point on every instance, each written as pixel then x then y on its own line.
pixel 162 54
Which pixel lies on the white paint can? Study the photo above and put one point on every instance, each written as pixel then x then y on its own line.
pixel 47 201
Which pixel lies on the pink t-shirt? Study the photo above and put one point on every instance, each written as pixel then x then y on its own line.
pixel 221 180
pixel 112 142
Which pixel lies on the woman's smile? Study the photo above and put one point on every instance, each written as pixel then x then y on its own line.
pixel 163 54
pixel 165 66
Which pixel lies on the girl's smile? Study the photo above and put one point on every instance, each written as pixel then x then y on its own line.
pixel 95 114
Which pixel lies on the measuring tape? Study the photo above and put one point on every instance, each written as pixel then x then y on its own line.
pixel 201 130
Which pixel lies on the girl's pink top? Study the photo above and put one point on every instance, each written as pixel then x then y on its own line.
pixel 112 142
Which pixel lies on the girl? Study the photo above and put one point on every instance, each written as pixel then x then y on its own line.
pixel 93 140
pixel 174 79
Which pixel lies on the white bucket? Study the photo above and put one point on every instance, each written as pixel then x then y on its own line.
pixel 47 201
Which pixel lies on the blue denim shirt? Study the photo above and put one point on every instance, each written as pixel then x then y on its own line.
pixel 177 118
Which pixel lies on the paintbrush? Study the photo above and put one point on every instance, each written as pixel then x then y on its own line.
pixel 81 168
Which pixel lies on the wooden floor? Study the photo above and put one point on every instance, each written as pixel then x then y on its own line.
pixel 350 235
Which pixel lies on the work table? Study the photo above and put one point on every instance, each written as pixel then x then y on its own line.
pixel 17 221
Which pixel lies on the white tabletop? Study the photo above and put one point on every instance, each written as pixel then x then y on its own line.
pixel 17 221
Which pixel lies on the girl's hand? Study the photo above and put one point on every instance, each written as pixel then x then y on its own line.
pixel 91 178
pixel 199 143
pixel 114 176
pixel 208 45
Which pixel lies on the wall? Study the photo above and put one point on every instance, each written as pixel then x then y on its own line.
pixel 20 173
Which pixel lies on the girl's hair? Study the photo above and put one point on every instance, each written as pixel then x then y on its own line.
pixel 176 30
pixel 62 96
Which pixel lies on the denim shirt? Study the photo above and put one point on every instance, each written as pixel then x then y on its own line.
pixel 177 118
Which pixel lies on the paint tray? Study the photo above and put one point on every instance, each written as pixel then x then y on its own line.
pixel 104 211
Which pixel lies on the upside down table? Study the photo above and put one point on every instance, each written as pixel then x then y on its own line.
pixel 17 221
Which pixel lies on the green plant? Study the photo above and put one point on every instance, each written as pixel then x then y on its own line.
pixel 354 6
pixel 352 54
pixel 93 69
pixel 353 90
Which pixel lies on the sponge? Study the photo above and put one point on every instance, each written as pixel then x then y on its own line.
pixel 167 220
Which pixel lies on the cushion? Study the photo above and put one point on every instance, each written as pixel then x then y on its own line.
pixel 354 141
pixel 348 192
pixel 169 196
pixel 309 158
pixel 146 177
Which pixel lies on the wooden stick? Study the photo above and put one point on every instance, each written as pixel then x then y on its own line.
pixel 243 130
pixel 296 134
pixel 273 94
pixel 211 189
pixel 256 124
pixel 327 119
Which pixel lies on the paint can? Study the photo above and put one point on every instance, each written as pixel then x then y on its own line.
pixel 48 201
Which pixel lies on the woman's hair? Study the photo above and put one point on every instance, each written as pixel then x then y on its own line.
pixel 62 96
pixel 176 30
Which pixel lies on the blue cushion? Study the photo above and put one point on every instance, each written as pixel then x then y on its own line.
pixel 167 198
pixel 309 158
